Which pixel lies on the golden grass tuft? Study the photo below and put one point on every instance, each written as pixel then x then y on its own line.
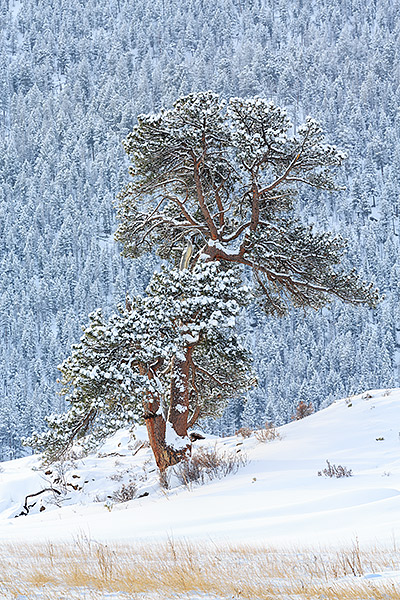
pixel 90 570
pixel 268 434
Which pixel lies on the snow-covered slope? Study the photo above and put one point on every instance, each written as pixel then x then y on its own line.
pixel 277 497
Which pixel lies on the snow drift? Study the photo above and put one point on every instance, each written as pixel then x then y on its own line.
pixel 277 497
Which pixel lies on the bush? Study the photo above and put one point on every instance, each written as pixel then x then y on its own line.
pixel 303 410
pixel 125 493
pixel 244 432
pixel 207 464
pixel 335 471
pixel 268 433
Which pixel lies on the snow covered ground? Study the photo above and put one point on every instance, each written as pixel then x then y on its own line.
pixel 277 498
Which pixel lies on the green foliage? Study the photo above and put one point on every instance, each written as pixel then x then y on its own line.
pixel 220 177
pixel 122 363
pixel 226 175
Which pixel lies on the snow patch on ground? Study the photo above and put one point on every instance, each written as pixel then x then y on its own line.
pixel 277 498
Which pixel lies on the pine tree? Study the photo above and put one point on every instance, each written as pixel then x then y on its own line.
pixel 214 186
pixel 225 176
pixel 169 358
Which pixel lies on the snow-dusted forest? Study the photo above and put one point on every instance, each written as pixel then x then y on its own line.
pixel 73 77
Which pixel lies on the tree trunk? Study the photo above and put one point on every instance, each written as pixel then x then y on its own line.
pixel 168 437
pixel 165 454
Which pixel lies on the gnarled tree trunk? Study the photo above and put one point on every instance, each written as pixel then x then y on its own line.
pixel 168 435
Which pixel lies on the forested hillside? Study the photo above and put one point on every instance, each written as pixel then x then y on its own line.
pixel 73 77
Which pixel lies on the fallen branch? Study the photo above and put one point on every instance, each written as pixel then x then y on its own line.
pixel 27 507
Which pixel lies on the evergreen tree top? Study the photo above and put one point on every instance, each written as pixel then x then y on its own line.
pixel 225 175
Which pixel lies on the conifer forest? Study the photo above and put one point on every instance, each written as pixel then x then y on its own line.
pixel 75 75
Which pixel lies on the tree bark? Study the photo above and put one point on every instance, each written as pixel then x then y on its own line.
pixel 168 435
pixel 165 455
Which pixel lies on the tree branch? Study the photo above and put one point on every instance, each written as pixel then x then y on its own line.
pixel 282 178
pixel 204 209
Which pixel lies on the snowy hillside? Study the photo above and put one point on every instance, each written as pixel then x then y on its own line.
pixel 277 497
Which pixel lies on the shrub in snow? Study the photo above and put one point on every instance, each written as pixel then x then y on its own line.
pixel 61 475
pixel 116 476
pixel 244 432
pixel 125 493
pixel 207 464
pixel 303 410
pixel 267 434
pixel 335 471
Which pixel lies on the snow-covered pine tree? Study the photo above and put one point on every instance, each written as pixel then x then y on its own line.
pixel 169 358
pixel 226 175
pixel 221 179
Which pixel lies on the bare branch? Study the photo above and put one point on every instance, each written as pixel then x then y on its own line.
pixel 280 179
pixel 211 376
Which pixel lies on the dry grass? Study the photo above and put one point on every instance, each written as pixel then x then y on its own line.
pixel 208 463
pixel 337 471
pixel 244 432
pixel 268 434
pixel 90 571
